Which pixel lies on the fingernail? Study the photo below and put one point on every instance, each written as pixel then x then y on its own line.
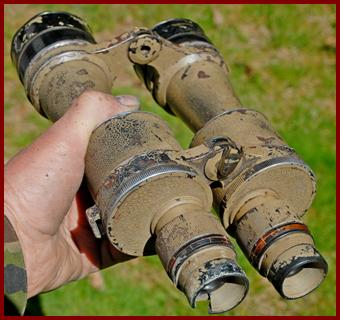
pixel 129 101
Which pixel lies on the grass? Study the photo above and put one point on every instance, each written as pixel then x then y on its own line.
pixel 282 59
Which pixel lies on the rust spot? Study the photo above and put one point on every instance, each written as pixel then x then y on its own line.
pixel 202 75
pixel 158 137
pixel 266 140
pixel 242 111
pixel 82 72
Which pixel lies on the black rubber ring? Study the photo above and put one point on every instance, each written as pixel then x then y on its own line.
pixel 192 247
pixel 277 276
pixel 45 39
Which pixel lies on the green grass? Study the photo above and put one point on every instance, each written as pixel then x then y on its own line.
pixel 282 59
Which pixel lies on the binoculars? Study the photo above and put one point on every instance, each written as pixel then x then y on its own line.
pixel 153 197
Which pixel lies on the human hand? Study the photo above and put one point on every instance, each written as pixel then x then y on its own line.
pixel 45 200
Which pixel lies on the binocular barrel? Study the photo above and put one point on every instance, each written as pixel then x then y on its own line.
pixel 262 200
pixel 151 196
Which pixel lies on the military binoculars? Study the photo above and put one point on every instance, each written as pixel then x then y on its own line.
pixel 153 197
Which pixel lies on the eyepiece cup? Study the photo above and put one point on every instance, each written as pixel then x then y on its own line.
pixel 45 29
pixel 300 276
pixel 180 30
pixel 224 292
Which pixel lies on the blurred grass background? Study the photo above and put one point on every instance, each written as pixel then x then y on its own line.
pixel 282 59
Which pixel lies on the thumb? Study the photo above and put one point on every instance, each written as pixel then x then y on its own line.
pixel 91 109
pixel 42 180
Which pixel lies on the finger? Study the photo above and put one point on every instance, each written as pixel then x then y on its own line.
pixel 42 180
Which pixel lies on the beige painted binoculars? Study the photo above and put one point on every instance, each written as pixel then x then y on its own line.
pixel 151 196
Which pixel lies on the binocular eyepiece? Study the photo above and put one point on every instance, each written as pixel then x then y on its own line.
pixel 180 30
pixel 151 196
pixel 43 30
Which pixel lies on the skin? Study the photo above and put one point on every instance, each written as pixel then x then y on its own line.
pixel 45 199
